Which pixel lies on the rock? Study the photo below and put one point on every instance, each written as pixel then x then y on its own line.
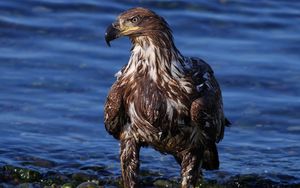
pixel 112 181
pixel 67 185
pixel 162 183
pixel 148 173
pixel 209 184
pixel 40 163
pixel 88 185
pixel 51 178
pixel 81 177
pixel 21 174
pixel 28 185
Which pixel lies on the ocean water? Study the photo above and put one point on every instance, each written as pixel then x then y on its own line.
pixel 56 70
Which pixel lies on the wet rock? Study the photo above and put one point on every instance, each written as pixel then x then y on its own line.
pixel 250 180
pixel 68 185
pixel 81 177
pixel 146 181
pixel 29 185
pixel 112 181
pixel 88 185
pixel 54 186
pixel 40 163
pixel 20 174
pixel 163 183
pixel 209 184
pixel 51 178
pixel 35 161
pixel 148 173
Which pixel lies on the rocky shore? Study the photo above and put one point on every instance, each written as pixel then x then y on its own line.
pixel 95 176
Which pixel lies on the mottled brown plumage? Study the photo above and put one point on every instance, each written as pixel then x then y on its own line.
pixel 163 100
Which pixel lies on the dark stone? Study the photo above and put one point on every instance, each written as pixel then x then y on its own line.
pixel 163 183
pixel 88 185
pixel 250 180
pixel 28 185
pixel 51 178
pixel 81 177
pixel 40 163
pixel 20 174
pixel 68 185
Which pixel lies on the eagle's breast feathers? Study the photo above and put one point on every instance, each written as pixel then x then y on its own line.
pixel 159 95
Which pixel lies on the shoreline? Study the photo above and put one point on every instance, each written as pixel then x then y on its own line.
pixel 12 176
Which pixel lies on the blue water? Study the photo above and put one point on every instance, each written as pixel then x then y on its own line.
pixel 56 70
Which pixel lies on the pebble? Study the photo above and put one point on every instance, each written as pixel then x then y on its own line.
pixel 162 183
pixel 88 185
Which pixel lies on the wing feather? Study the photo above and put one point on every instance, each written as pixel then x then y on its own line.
pixel 207 109
pixel 114 113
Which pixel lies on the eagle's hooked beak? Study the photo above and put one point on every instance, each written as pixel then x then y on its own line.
pixel 111 33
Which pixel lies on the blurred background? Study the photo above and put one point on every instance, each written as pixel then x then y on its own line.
pixel 56 70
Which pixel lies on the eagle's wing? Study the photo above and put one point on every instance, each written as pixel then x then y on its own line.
pixel 207 110
pixel 114 113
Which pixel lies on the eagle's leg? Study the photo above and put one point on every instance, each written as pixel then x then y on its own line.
pixel 129 157
pixel 190 168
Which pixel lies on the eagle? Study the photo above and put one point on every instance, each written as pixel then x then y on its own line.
pixel 163 100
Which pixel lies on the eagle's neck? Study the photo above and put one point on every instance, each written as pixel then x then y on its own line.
pixel 155 57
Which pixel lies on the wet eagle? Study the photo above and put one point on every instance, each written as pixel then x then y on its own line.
pixel 162 99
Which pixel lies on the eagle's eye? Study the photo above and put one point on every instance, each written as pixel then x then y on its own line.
pixel 135 19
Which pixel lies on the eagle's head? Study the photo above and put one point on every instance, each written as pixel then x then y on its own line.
pixel 137 22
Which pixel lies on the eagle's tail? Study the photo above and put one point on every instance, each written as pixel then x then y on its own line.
pixel 211 158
